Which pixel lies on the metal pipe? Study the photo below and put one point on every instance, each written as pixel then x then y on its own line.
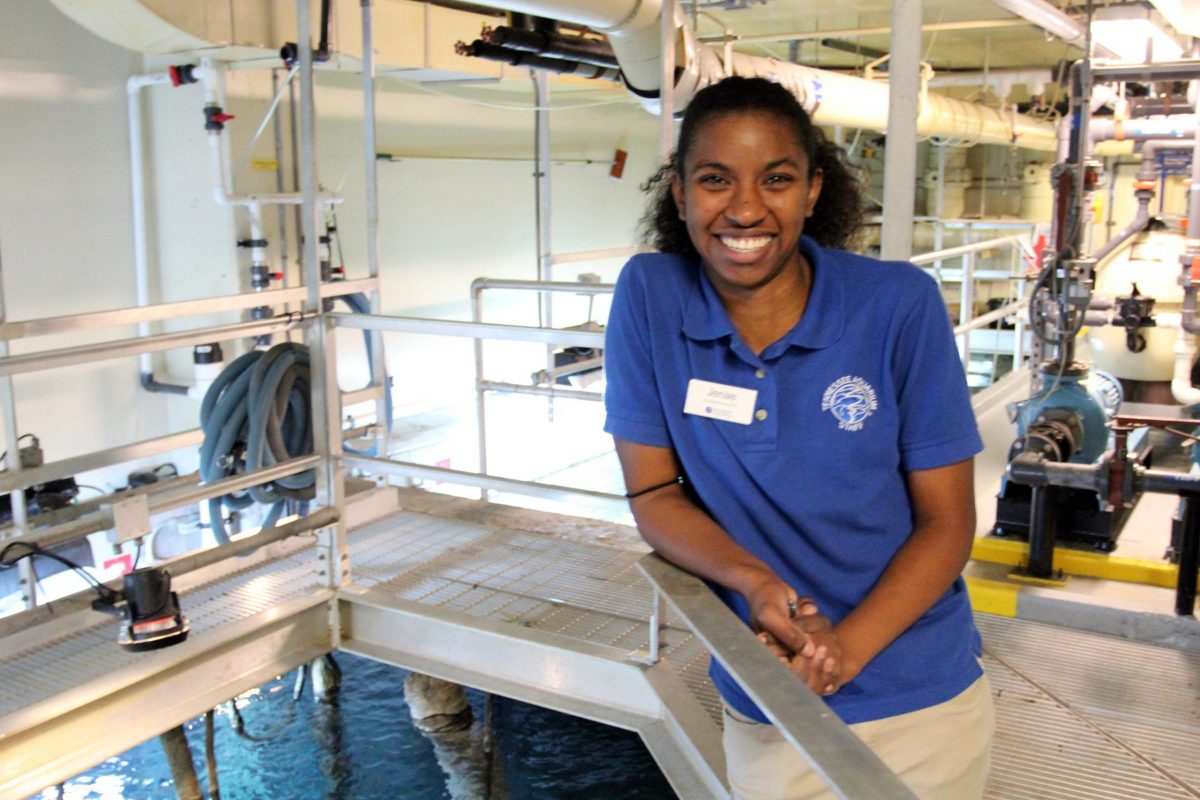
pixel 1043 531
pixel 974 247
pixel 966 306
pixel 405 469
pixel 1189 557
pixel 983 320
pixel 88 353
pixel 47 326
pixel 281 211
pixel 539 391
pixel 542 213
pixel 480 284
pixel 333 549
pixel 12 461
pixel 668 59
pixel 378 366
pixel 447 327
pixel 595 255
pixel 900 157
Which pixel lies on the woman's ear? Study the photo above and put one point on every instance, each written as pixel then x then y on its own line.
pixel 814 191
pixel 677 194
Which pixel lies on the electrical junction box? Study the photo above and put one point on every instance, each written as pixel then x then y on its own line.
pixel 129 518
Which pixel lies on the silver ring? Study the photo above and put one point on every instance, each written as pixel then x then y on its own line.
pixel 793 608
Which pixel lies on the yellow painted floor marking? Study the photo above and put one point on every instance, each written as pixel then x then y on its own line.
pixel 1081 563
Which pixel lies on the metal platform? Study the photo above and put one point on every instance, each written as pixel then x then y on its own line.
pixel 555 623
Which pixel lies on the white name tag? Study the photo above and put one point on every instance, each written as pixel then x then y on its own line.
pixel 718 401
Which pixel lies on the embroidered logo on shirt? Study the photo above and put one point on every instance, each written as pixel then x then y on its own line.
pixel 851 400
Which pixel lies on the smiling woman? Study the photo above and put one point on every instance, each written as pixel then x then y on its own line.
pixel 814 404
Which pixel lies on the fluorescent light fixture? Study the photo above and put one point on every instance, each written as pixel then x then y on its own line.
pixel 1135 34
pixel 1052 21
pixel 1046 17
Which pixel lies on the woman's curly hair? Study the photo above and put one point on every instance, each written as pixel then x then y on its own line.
pixel 837 218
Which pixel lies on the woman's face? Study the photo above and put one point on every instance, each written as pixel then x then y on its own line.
pixel 745 193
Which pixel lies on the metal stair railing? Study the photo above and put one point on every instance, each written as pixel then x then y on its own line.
pixel 848 766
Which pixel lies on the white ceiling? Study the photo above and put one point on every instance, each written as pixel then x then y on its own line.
pixel 1019 46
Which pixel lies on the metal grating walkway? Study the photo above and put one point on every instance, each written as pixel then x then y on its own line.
pixel 1080 716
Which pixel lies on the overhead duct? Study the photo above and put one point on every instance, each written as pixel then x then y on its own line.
pixel 422 38
pixel 832 98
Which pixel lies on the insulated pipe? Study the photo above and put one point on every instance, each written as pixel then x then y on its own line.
pixel 554 45
pixel 831 98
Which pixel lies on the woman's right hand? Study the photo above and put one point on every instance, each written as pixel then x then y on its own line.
pixel 797 632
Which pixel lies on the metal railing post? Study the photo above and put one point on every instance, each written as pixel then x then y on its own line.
pixel 655 626
pixel 377 366
pixel 967 301
pixel 480 389
pixel 12 463
pixel 332 550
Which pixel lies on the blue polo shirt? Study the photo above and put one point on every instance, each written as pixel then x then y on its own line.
pixel 866 387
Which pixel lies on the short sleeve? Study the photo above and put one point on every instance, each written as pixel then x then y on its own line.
pixel 631 398
pixel 937 422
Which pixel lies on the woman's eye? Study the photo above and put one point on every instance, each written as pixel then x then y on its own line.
pixel 711 180
pixel 779 179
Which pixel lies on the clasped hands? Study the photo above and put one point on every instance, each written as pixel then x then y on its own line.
pixel 799 635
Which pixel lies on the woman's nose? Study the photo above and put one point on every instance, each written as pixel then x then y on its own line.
pixel 745 207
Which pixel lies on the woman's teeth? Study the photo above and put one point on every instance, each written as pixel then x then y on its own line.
pixel 745 245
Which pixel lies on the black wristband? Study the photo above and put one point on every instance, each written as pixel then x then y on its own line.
pixel 678 479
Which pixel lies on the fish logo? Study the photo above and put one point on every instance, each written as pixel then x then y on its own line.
pixel 851 400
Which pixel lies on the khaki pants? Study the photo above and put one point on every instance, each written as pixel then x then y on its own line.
pixel 941 752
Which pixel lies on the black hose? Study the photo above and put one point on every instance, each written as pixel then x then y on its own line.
pixel 257 413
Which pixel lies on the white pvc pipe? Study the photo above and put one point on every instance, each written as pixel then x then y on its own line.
pixel 218 145
pixel 133 90
pixel 1181 382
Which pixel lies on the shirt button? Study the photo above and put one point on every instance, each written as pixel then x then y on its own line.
pixel 758 373
pixel 761 414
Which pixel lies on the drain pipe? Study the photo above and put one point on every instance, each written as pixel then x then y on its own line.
pixel 178 75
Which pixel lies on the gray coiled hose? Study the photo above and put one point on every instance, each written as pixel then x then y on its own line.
pixel 257 414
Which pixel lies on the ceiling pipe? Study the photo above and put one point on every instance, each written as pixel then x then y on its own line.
pixel 831 98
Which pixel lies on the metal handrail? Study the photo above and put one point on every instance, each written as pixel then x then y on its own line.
pixel 548 491
pixel 963 249
pixel 470 330
pixel 46 326
pixel 850 768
